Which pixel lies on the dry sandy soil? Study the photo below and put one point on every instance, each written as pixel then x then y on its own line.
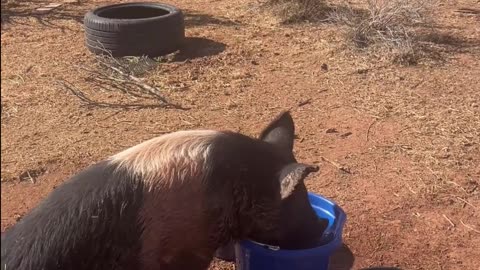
pixel 408 137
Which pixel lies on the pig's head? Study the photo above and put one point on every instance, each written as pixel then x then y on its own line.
pixel 299 226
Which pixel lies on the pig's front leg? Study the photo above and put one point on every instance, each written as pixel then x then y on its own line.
pixel 227 252
pixel 181 261
pixel 190 260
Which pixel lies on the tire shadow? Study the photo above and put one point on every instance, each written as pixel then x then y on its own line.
pixel 196 47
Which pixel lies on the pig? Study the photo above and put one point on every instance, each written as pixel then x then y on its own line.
pixel 299 227
pixel 167 203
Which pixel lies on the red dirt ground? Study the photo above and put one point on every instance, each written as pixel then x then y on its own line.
pixel 409 136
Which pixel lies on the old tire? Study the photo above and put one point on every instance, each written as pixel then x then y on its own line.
pixel 134 29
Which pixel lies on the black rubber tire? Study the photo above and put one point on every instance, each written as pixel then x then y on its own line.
pixel 125 29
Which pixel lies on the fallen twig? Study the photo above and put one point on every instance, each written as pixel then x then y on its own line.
pixel 469 11
pixel 337 165
pixel 469 227
pixel 466 202
pixel 370 127
pixel 449 221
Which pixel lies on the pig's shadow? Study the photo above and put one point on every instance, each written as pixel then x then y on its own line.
pixel 381 268
pixel 342 259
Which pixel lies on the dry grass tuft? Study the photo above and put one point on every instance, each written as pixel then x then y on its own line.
pixel 387 26
pixel 7 110
pixel 291 11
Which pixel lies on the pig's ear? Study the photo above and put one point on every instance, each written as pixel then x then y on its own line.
pixel 292 175
pixel 280 132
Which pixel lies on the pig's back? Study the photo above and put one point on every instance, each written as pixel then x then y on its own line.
pixel 86 223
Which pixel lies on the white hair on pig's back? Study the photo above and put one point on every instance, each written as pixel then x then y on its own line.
pixel 177 156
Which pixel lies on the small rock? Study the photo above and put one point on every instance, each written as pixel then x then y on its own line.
pixel 304 102
pixel 345 135
pixel 444 156
pixel 53 5
pixel 331 130
pixel 43 10
pixel 362 71
pixel 324 67
pixel 46 9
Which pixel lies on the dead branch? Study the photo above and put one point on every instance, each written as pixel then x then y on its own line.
pixel 89 102
pixel 152 90
pixel 121 74
pixel 126 86
pixel 110 74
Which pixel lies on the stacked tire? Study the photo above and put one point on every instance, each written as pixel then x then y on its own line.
pixel 134 29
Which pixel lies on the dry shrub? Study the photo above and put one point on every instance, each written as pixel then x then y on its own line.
pixel 387 25
pixel 290 11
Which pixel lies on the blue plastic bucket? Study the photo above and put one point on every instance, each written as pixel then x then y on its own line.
pixel 251 255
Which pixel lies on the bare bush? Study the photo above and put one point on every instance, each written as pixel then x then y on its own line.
pixel 388 24
pixel 298 10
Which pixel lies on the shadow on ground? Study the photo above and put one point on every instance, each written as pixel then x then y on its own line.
pixel 13 11
pixel 16 13
pixel 196 47
pixel 343 259
pixel 194 19
pixel 448 41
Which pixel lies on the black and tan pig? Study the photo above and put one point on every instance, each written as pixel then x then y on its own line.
pixel 168 203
